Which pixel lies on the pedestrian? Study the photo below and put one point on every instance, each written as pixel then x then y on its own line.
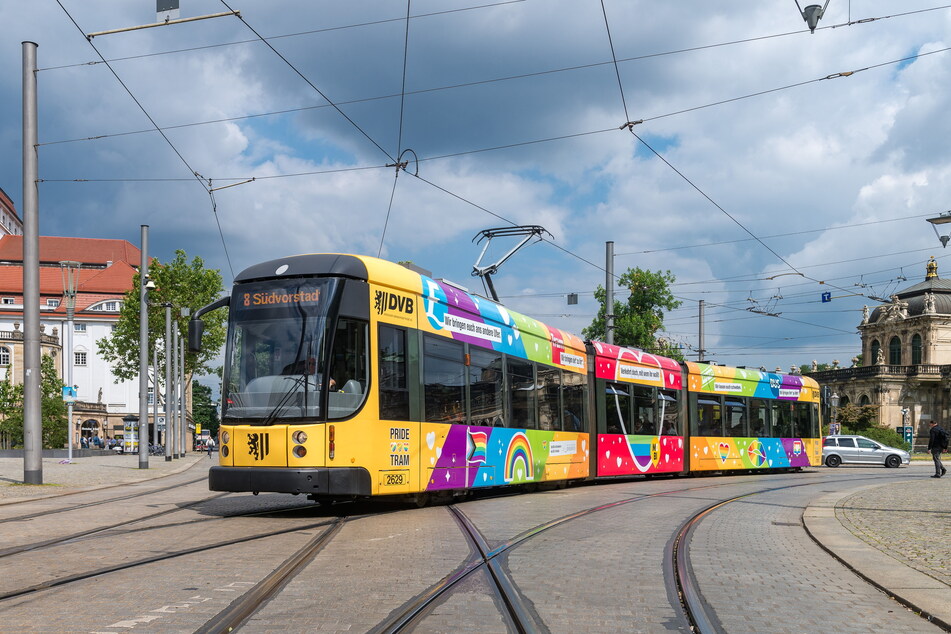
pixel 210 445
pixel 937 442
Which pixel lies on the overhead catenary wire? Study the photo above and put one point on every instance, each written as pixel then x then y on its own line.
pixel 403 95
pixel 152 121
pixel 399 140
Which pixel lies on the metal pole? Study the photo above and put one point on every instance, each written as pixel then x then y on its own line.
pixel 144 352
pixel 155 434
pixel 173 353
pixel 32 404
pixel 609 292
pixel 184 400
pixel 70 270
pixel 702 350
pixel 169 429
pixel 69 382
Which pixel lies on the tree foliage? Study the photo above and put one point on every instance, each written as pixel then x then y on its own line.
pixel 55 431
pixel 182 284
pixel 638 319
pixel 204 411
pixel 857 419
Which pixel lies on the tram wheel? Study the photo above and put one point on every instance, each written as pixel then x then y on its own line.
pixel 420 499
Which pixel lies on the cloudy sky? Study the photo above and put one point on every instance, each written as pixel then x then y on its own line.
pixel 768 159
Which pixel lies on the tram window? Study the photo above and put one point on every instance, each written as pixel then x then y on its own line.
pixel 521 389
pixel 549 398
pixel 643 421
pixel 349 368
pixel 394 390
pixel 485 387
pixel 709 416
pixel 814 427
pixel 802 420
pixel 668 412
pixel 759 417
pixel 573 399
pixel 444 376
pixel 617 408
pixel 782 419
pixel 736 423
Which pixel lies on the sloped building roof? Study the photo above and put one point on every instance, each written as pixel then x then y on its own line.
pixel 85 250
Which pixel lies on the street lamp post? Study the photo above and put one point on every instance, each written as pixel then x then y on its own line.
pixel 834 427
pixel 169 426
pixel 70 271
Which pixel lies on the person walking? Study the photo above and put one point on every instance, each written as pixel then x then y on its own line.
pixel 937 442
pixel 211 446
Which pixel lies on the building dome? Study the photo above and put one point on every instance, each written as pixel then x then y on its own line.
pixel 912 301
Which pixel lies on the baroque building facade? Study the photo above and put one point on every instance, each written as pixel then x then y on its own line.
pixel 906 354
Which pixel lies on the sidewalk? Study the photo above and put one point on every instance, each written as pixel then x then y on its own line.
pixel 896 536
pixel 82 474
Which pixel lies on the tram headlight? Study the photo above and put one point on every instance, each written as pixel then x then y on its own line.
pixel 225 438
pixel 225 451
pixel 299 436
pixel 300 451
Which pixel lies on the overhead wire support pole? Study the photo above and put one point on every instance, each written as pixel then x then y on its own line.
pixel 89 36
pixel 485 272
pixel 32 398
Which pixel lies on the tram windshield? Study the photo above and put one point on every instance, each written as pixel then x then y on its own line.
pixel 277 340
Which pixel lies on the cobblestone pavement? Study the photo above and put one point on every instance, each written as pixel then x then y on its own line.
pixel 601 573
pixel 910 521
pixel 93 472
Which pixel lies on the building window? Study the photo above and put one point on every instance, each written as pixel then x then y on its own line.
pixel 78 327
pixel 894 351
pixel 874 352
pixel 4 356
pixel 9 301
pixel 151 395
pixel 865 400
pixel 916 350
pixel 52 303
pixel 79 358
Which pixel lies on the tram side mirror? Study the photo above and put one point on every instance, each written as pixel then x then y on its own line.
pixel 196 328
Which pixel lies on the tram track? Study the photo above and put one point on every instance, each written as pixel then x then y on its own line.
pixel 251 601
pixel 522 615
pixel 699 612
pixel 97 572
pixel 86 505
pixel 111 528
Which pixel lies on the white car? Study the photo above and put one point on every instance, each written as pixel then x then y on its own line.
pixel 861 450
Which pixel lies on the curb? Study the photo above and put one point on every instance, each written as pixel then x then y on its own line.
pixel 915 590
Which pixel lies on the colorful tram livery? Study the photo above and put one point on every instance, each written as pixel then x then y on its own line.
pixel 349 376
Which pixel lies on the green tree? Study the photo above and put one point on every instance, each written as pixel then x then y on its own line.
pixel 857 419
pixel 204 410
pixel 638 319
pixel 182 284
pixel 53 417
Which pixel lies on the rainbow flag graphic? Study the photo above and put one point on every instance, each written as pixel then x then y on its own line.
pixel 476 442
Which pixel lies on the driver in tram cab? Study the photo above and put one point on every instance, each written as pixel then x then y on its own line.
pixel 309 367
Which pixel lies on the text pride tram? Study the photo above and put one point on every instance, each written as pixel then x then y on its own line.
pixel 349 376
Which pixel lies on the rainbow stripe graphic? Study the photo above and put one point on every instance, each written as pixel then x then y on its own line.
pixel 519 451
pixel 757 453
pixel 476 443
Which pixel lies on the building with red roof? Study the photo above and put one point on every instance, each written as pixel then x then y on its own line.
pixel 106 274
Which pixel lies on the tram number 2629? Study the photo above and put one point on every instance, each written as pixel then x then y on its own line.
pixel 398 478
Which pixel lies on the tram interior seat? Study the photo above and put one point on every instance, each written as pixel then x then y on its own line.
pixel 352 387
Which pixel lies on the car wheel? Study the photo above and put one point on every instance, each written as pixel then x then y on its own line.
pixel 893 461
pixel 833 461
